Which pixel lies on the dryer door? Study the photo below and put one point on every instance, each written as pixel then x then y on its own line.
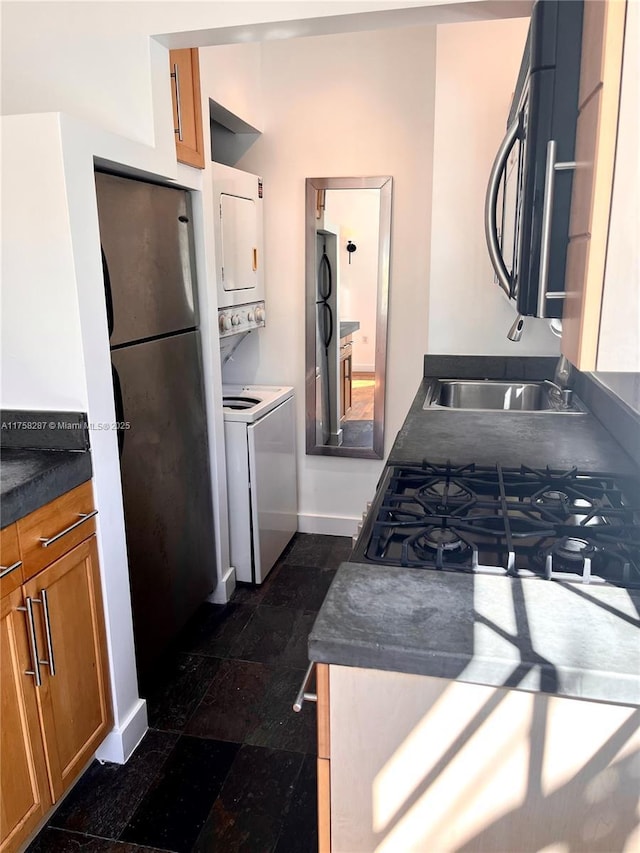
pixel 239 234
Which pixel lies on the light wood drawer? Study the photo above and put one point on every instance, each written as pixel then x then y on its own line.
pixel 10 560
pixel 40 532
pixel 345 350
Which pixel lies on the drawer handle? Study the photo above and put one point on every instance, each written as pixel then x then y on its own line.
pixel 6 570
pixel 304 696
pixel 44 601
pixel 33 642
pixel 84 516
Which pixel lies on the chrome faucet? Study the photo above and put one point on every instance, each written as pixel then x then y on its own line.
pixel 559 387
pixel 562 373
pixel 564 396
pixel 515 332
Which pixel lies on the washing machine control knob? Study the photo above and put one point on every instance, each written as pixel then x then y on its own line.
pixel 251 316
pixel 224 322
pixel 259 314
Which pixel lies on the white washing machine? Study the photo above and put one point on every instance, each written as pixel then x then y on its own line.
pixel 260 446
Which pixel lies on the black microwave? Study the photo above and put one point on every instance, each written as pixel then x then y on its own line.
pixel 528 201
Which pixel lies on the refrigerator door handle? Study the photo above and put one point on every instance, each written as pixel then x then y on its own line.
pixel 491 204
pixel 108 298
pixel 329 336
pixel 325 277
pixel 117 394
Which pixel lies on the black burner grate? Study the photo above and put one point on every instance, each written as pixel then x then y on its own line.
pixel 523 522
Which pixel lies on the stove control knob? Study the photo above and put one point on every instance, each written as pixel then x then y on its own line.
pixel 224 322
pixel 259 314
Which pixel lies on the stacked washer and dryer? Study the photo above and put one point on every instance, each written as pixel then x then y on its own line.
pixel 259 420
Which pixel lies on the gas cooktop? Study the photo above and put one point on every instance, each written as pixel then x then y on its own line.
pixel 560 525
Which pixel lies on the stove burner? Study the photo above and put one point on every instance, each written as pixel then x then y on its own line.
pixel 439 489
pixel 573 550
pixel 442 537
pixel 553 497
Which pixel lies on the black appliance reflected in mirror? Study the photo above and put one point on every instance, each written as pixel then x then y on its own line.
pixel 346 314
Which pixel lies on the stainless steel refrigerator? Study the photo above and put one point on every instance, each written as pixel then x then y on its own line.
pixel 147 255
pixel 327 340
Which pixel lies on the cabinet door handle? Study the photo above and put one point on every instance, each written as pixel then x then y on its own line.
pixel 176 76
pixel 6 570
pixel 33 642
pixel 84 516
pixel 44 601
pixel 303 695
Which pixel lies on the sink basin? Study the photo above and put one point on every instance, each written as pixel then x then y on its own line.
pixel 486 395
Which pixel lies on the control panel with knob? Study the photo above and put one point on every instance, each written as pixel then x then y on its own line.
pixel 243 318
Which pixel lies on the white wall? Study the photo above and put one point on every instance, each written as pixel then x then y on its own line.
pixel 358 215
pixel 476 70
pixel 230 75
pixel 335 106
pixel 42 358
pixel 91 59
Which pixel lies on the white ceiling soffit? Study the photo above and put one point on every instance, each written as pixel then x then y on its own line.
pixel 414 15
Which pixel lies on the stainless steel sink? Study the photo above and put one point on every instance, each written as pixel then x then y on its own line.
pixel 487 395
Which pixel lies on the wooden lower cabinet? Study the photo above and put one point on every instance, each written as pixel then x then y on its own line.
pixel 74 703
pixel 25 790
pixel 50 731
pixel 345 377
pixel 421 764
pixel 324 754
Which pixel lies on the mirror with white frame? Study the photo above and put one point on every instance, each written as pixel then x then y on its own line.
pixel 348 233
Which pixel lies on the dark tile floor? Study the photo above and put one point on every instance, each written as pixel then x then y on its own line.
pixel 226 765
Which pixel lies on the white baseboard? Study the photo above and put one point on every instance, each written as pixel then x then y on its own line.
pixel 331 525
pixel 363 368
pixel 224 590
pixel 121 741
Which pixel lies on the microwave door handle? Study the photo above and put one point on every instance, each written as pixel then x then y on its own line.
pixel 545 241
pixel 491 205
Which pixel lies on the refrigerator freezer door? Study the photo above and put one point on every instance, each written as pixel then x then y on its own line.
pixel 166 487
pixel 274 503
pixel 147 242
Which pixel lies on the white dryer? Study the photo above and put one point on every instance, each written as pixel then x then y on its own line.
pixel 260 446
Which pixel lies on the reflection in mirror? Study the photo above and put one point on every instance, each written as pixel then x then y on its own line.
pixel 348 225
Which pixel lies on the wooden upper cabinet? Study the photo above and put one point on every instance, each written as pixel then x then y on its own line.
pixel 596 135
pixel 187 108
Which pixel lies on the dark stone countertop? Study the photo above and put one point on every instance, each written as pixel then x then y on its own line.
pixel 529 634
pixel 44 454
pixel 348 327
pixel 31 478
pixel 562 638
pixel 536 439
